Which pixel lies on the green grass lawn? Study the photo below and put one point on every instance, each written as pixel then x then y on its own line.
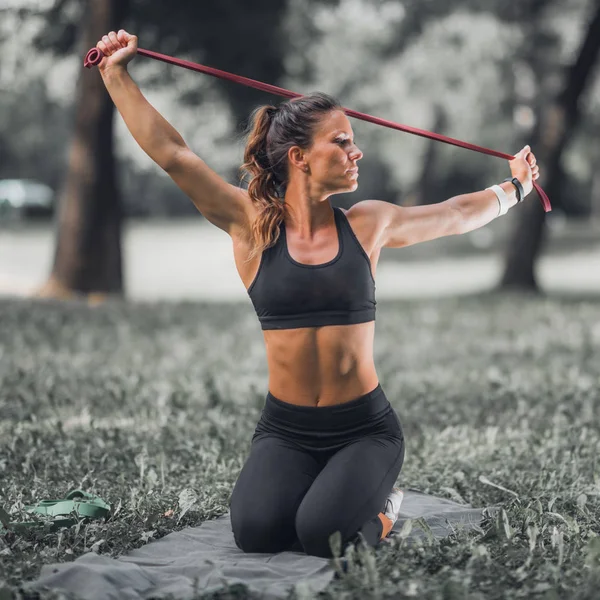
pixel 498 396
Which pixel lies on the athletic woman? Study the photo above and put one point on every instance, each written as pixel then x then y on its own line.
pixel 328 448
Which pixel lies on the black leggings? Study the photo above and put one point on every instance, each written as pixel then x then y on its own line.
pixel 313 471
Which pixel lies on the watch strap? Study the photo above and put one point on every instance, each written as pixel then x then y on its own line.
pixel 518 186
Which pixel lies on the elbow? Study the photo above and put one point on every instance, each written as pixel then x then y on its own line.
pixel 171 158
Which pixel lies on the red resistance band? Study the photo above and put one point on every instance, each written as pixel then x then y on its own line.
pixel 95 56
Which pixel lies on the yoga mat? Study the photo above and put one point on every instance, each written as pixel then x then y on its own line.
pixel 205 559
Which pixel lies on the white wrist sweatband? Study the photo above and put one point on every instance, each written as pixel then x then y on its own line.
pixel 502 199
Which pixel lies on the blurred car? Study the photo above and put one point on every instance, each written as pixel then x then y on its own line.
pixel 23 198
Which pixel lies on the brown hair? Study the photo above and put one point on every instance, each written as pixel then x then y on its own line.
pixel 273 131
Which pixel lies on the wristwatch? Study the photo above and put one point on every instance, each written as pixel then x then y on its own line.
pixel 517 184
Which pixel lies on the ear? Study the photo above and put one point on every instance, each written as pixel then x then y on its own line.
pixel 297 158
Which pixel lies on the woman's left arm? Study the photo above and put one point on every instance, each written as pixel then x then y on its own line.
pixel 399 226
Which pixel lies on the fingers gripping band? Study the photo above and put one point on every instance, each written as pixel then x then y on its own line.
pixel 95 56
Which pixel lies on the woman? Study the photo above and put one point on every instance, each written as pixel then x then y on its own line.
pixel 328 447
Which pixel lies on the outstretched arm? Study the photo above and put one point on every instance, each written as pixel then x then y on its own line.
pixel 398 226
pixel 221 203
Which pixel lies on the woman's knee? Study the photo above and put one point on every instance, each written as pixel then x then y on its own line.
pixel 314 532
pixel 260 532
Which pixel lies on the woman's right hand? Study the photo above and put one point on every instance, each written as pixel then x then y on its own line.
pixel 118 49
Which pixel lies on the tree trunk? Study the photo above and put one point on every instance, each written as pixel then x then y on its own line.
pixel 88 246
pixel 550 137
pixel 427 187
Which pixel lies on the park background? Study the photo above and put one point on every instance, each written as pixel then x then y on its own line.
pixel 501 77
pixel 127 339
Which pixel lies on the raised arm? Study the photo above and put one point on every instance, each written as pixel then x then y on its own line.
pixel 223 204
pixel 397 226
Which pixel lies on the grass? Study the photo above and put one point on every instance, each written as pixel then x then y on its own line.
pixel 152 405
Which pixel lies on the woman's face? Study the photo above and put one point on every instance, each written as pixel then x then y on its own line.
pixel 332 158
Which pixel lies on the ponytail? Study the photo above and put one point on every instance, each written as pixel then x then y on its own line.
pixel 262 187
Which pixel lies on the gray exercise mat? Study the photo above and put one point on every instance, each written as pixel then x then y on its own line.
pixel 204 559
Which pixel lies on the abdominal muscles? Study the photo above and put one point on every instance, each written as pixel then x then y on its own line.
pixel 320 366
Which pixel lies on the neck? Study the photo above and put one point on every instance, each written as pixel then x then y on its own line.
pixel 308 210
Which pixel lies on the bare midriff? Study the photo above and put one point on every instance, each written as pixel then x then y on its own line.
pixel 321 366
pixel 317 366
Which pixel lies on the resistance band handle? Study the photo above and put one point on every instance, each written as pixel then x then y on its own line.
pixel 95 56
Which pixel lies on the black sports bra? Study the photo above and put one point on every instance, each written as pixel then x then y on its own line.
pixel 288 295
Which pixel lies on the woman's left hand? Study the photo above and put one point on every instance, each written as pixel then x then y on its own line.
pixel 524 167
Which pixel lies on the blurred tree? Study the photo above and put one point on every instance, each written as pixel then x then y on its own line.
pixel 426 190
pixel 553 130
pixel 88 250
pixel 230 35
pixel 27 147
pixel 595 176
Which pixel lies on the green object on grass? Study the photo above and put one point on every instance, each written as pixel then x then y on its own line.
pixel 82 504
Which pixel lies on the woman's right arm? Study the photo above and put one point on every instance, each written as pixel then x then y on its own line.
pixel 223 204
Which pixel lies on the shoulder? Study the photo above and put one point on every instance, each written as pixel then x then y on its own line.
pixel 372 210
pixel 370 219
